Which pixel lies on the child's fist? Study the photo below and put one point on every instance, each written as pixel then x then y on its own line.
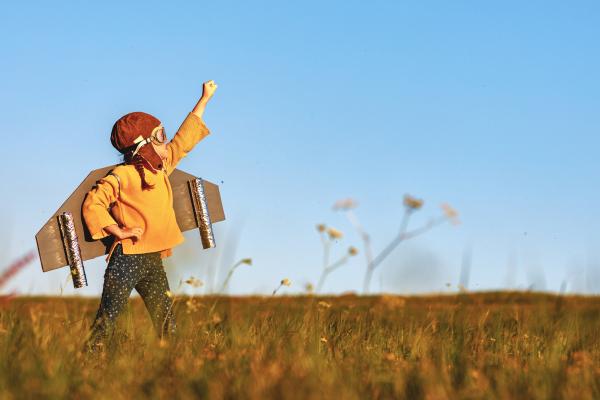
pixel 208 89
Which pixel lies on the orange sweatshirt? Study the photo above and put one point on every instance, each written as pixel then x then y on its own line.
pixel 121 200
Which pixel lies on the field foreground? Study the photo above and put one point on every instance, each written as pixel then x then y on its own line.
pixel 466 346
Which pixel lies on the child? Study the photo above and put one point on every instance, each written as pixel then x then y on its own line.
pixel 141 218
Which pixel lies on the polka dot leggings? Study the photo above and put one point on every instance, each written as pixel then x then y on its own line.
pixel 145 273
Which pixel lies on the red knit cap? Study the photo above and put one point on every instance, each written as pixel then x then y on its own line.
pixel 128 128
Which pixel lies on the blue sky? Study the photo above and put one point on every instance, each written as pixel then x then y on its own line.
pixel 489 107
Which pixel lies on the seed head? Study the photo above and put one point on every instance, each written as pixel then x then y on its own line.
pixel 323 304
pixel 192 306
pixel 345 204
pixel 321 227
pixel 194 282
pixel 247 261
pixel 450 213
pixel 334 233
pixel 412 203
pixel 352 251
pixel 309 287
pixel 286 282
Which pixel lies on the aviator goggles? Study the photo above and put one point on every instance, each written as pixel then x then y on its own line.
pixel 158 136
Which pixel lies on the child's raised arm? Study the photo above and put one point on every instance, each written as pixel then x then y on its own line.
pixel 191 131
pixel 208 89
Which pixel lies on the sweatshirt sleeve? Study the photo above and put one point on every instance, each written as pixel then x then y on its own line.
pixel 191 131
pixel 96 205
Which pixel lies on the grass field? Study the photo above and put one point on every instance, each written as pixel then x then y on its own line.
pixel 466 346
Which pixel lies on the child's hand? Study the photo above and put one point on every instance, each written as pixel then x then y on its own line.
pixel 133 233
pixel 208 89
pixel 124 233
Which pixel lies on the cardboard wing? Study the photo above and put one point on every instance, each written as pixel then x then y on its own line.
pixel 50 242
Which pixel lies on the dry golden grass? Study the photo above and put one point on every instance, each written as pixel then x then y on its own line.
pixel 468 346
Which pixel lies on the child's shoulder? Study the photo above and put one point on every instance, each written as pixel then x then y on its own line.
pixel 123 172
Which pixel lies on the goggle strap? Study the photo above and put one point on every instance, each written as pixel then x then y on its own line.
pixel 140 144
pixel 141 141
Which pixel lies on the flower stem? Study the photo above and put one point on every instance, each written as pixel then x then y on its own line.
pixel 229 275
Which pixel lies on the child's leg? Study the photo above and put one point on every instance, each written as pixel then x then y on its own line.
pixel 121 275
pixel 153 289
